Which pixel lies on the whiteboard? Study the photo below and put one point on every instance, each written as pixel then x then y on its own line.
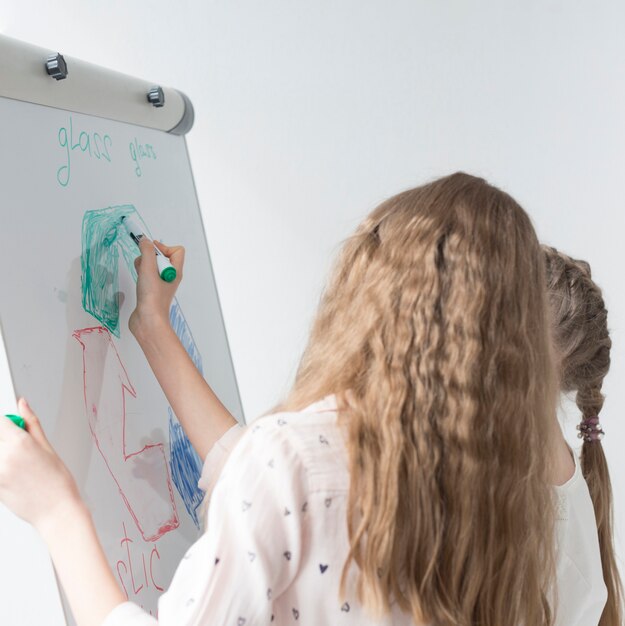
pixel 68 291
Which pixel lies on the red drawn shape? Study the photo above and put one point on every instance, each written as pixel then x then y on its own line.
pixel 143 476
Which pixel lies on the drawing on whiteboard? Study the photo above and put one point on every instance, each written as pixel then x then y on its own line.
pixel 149 500
pixel 185 464
pixel 183 332
pixel 184 461
pixel 101 248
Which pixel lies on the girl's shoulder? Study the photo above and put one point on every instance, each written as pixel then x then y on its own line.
pixel 308 441
pixel 318 420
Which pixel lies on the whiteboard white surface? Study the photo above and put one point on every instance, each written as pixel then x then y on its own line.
pixel 98 400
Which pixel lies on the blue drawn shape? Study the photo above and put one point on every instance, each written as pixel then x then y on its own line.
pixel 186 467
pixel 184 461
pixel 182 330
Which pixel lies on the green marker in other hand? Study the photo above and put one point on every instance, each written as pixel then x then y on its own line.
pixel 17 420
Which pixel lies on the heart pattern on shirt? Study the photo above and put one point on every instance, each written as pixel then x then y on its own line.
pixel 246 505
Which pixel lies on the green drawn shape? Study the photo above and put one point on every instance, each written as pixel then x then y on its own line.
pixel 102 240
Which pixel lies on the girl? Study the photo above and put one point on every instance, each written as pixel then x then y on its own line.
pixel 406 479
pixel 580 330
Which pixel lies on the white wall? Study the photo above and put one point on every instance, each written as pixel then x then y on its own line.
pixel 310 113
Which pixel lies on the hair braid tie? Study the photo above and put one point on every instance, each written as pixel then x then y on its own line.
pixel 590 429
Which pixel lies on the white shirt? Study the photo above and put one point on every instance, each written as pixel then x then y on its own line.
pixel 276 537
pixel 579 574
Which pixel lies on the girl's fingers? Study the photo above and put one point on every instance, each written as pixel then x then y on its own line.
pixel 6 429
pixel 33 425
pixel 175 254
pixel 146 262
pixel 177 260
pixel 148 256
pixel 166 250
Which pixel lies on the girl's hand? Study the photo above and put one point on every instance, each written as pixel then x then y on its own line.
pixel 34 482
pixel 154 295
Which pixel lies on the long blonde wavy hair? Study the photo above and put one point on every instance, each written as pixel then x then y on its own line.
pixel 433 333
pixel 580 328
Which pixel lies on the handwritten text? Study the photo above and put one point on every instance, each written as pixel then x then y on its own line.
pixel 90 144
pixel 139 151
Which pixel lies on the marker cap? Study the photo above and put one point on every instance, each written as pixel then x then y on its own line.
pixel 169 274
pixel 17 420
pixel 165 269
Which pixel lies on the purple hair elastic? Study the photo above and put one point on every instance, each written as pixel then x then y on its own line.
pixel 590 429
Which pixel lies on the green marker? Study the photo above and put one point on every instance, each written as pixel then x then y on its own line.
pixel 17 420
pixel 166 270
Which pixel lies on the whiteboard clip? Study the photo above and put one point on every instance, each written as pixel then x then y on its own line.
pixel 156 96
pixel 56 66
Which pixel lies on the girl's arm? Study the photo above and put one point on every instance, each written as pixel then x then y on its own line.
pixel 202 416
pixel 80 563
pixel 37 486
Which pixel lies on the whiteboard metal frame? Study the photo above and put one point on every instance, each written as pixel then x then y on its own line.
pixel 88 89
